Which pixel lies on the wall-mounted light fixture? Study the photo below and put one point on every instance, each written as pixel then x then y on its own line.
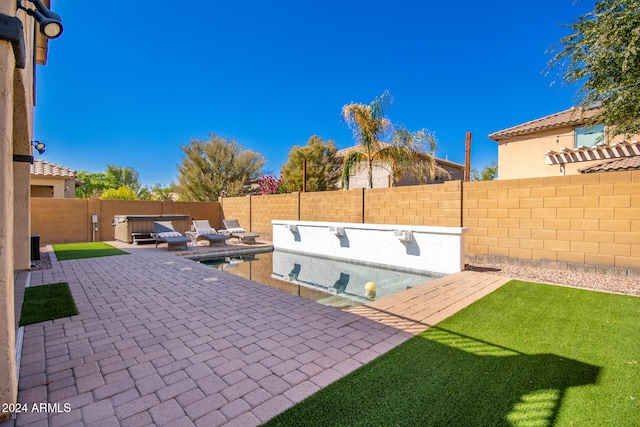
pixel 50 22
pixel 39 146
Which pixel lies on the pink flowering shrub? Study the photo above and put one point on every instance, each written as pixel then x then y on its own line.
pixel 270 185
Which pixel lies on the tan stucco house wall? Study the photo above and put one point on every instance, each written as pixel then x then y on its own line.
pixel 522 148
pixel 16 132
pixel 381 173
pixel 523 156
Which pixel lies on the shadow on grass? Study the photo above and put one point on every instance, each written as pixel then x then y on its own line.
pixel 444 378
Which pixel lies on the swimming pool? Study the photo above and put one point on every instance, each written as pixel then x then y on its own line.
pixel 327 281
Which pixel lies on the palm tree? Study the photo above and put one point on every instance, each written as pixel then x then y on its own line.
pixel 369 125
pixel 412 152
pixel 408 153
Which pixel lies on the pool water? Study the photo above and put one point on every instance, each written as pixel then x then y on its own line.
pixel 328 281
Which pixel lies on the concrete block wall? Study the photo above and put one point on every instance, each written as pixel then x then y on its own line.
pixel 436 205
pixel 210 211
pixel 60 220
pixel 276 206
pixel 237 208
pixel 587 222
pixel 333 206
pixel 579 220
pixel 69 220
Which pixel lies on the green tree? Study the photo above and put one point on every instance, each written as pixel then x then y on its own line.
pixel 94 184
pixel 123 192
pixel 369 125
pixel 323 167
pixel 160 193
pixel 217 167
pixel 601 56
pixel 114 177
pixel 128 177
pixel 489 173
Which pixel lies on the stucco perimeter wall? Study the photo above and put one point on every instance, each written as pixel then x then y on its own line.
pixel 60 220
pixel 70 220
pixel 434 205
pixel 334 206
pixel 238 208
pixel 267 209
pixel 580 221
pixel 585 222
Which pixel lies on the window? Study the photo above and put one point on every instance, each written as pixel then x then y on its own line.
pixel 589 136
pixel 42 191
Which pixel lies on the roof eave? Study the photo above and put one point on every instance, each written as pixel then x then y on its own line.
pixel 582 118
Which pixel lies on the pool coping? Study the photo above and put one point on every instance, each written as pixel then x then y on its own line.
pixel 226 253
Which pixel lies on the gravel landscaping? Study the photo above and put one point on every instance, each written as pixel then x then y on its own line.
pixel 598 282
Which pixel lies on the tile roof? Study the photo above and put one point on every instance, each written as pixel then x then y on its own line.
pixel 572 116
pixel 624 164
pixel 43 168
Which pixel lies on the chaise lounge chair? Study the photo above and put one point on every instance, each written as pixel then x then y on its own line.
pixel 205 232
pixel 234 230
pixel 165 233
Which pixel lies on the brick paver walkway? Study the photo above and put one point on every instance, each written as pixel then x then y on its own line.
pixel 423 306
pixel 162 340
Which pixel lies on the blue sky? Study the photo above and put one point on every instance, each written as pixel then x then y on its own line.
pixel 129 82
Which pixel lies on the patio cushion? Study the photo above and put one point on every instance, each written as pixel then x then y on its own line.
pixel 236 230
pixel 169 234
pixel 206 231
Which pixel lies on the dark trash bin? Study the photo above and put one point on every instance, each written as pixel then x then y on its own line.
pixel 35 247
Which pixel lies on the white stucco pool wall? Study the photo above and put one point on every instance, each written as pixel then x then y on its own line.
pixel 430 249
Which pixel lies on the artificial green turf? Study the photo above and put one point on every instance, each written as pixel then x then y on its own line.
pixel 526 355
pixel 85 250
pixel 47 302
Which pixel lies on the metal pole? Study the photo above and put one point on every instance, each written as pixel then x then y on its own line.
pixel 304 176
pixel 467 164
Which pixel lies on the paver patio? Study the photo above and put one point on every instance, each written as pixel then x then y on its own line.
pixel 162 340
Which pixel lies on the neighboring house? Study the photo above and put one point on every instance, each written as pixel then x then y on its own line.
pixel 560 144
pixel 624 164
pixel 51 180
pixel 446 171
